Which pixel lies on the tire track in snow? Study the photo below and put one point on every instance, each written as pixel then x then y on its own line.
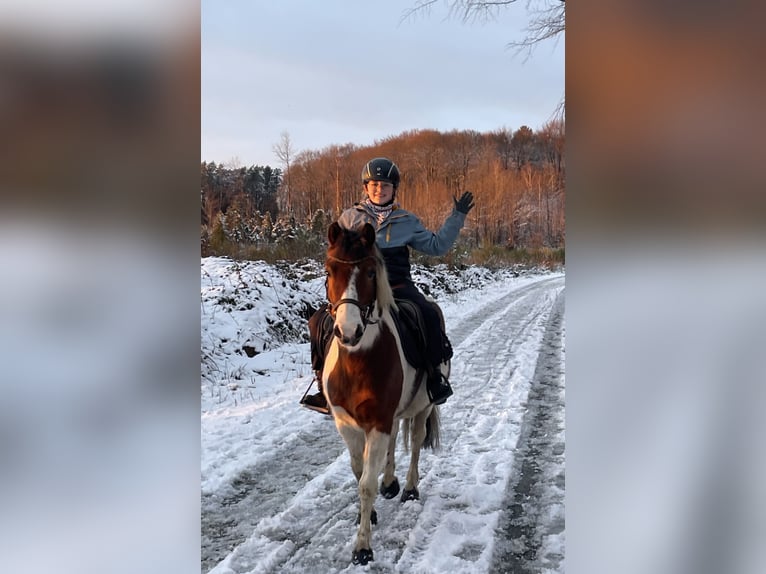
pixel 230 514
pixel 494 364
pixel 535 513
pixel 475 320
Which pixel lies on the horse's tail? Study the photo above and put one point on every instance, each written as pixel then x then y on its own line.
pixel 433 434
pixel 433 431
pixel 406 426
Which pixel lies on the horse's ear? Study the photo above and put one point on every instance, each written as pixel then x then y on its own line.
pixel 368 235
pixel 334 232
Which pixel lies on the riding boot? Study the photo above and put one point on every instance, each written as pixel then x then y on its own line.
pixel 438 387
pixel 439 350
pixel 317 401
pixel 447 352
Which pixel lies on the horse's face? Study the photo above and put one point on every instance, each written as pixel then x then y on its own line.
pixel 351 267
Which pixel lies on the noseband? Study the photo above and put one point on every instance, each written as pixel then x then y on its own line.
pixel 366 310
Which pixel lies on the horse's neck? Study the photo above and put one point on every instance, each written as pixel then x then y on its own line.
pixel 374 329
pixel 387 317
pixel 386 312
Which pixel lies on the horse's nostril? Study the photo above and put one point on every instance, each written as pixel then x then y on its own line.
pixel 347 337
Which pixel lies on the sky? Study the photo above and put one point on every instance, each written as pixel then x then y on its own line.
pixel 278 493
pixel 336 72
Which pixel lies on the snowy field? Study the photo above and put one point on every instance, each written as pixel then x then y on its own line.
pixel 278 494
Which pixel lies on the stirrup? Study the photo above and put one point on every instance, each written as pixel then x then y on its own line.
pixel 307 401
pixel 317 408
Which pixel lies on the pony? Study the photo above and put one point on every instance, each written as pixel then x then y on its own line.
pixel 369 385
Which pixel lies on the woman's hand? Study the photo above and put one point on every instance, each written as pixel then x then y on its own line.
pixel 465 203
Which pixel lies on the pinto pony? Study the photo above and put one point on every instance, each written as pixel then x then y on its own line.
pixel 369 385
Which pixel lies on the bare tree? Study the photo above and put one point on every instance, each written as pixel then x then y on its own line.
pixel 233 163
pixel 547 17
pixel 284 152
pixel 547 22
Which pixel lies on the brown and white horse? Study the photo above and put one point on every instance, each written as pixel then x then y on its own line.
pixel 369 385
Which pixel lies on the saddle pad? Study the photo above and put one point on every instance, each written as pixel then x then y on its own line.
pixel 409 323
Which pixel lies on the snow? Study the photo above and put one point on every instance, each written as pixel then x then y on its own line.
pixel 278 494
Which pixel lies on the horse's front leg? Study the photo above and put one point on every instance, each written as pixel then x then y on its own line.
pixel 354 439
pixel 374 457
pixel 389 487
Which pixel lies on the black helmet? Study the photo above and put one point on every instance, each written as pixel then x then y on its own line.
pixel 381 169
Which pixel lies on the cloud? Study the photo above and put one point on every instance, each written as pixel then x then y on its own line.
pixel 344 73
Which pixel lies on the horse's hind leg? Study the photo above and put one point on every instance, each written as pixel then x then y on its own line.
pixel 417 436
pixel 389 487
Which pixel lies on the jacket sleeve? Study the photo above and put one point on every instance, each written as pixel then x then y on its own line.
pixel 352 218
pixel 440 242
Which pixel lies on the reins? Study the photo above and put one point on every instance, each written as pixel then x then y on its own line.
pixel 350 261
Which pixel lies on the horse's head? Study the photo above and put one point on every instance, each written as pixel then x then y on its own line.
pixel 356 281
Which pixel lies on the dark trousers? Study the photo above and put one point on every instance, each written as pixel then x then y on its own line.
pixel 320 331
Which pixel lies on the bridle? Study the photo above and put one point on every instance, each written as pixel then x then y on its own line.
pixel 365 310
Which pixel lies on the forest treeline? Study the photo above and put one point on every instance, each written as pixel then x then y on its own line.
pixel 516 176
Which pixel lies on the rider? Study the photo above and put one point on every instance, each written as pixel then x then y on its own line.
pixel 397 231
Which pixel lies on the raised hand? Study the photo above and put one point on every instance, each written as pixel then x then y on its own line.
pixel 465 203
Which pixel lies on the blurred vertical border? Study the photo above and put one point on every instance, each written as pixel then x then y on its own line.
pixel 99 297
pixel 666 262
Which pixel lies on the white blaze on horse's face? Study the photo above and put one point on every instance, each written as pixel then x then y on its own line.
pixel 349 326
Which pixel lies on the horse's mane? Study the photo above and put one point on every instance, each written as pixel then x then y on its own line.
pixel 385 293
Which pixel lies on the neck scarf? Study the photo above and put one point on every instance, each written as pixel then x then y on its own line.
pixel 381 211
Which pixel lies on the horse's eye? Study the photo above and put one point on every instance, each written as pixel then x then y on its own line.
pixel 371 274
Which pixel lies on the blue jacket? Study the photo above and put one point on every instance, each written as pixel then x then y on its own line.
pixel 400 230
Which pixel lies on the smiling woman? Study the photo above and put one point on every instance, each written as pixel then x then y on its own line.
pixel 380 193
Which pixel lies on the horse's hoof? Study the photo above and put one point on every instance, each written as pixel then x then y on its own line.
pixel 410 495
pixel 391 490
pixel 362 556
pixel 373 517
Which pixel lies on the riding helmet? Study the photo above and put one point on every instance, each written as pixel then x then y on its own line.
pixel 381 169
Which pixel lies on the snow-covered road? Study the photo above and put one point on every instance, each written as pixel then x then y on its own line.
pixel 278 493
